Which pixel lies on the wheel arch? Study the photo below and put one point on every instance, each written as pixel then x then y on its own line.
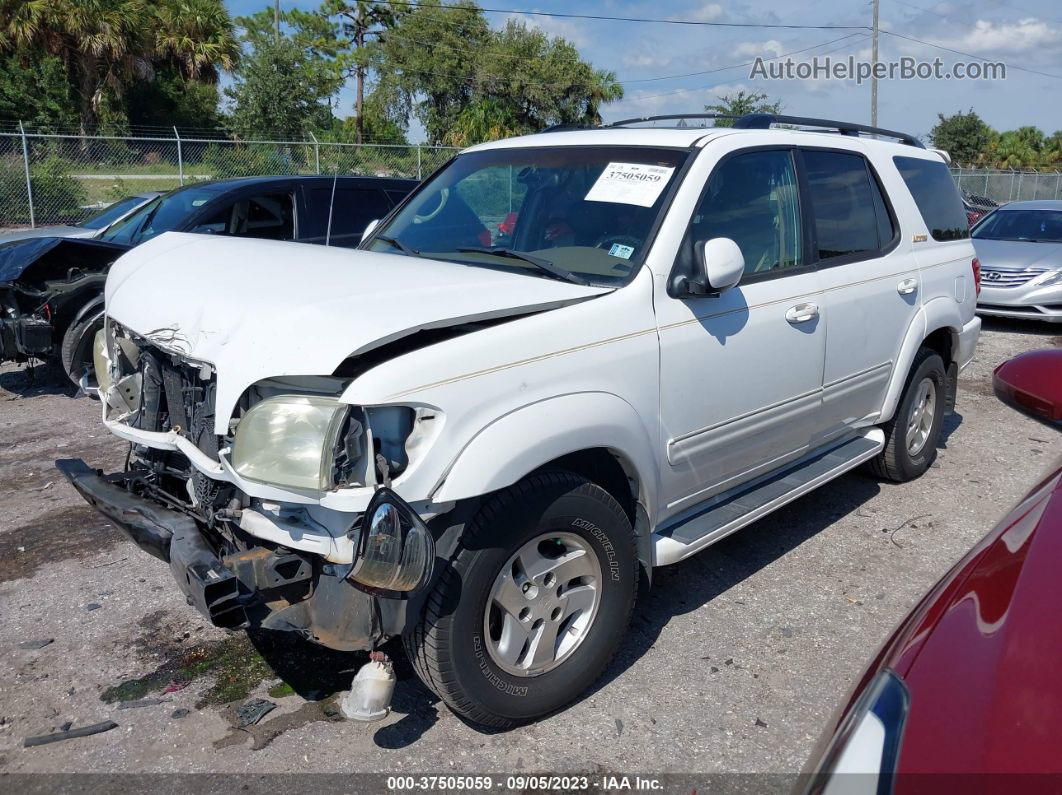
pixel 937 327
pixel 597 435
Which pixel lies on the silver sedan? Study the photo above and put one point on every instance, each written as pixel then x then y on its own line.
pixel 1020 249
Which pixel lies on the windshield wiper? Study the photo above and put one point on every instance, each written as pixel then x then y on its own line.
pixel 394 241
pixel 540 263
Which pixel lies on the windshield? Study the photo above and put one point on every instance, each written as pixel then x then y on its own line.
pixel 159 215
pixel 1040 226
pixel 112 212
pixel 579 213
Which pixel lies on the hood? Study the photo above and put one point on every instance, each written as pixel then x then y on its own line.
pixel 1018 254
pixel 981 659
pixel 60 230
pixel 56 256
pixel 258 309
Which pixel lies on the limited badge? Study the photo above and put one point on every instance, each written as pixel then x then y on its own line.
pixel 921 238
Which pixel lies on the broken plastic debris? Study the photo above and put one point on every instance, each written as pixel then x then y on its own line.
pixel 250 712
pixel 370 694
pixel 84 731
pixel 29 645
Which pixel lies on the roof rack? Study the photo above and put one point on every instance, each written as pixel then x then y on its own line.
pixel 763 121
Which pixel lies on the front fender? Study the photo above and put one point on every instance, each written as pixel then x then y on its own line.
pixel 523 440
pixel 933 315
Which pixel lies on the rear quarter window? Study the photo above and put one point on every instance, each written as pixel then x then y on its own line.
pixel 936 196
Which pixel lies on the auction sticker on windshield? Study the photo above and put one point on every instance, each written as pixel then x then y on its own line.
pixel 630 183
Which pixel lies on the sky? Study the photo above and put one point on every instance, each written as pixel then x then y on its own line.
pixel 671 68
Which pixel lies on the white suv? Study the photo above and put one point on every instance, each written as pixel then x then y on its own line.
pixel 563 360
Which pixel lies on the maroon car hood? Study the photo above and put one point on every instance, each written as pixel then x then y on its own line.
pixel 982 655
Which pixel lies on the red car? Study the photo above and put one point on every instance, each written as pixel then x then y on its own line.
pixel 970 681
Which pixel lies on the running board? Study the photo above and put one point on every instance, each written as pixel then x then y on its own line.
pixel 734 509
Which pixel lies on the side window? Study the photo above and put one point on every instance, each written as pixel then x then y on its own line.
pixel 352 211
pixel 270 216
pixel 849 211
pixel 752 198
pixel 937 197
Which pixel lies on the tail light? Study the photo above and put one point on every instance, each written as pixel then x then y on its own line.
pixel 976 265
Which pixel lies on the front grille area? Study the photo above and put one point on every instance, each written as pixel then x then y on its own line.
pixel 1008 277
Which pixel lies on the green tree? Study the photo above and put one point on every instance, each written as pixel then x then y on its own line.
pixel 364 24
pixel 105 46
pixel 964 136
pixel 36 93
pixel 1018 149
pixel 281 89
pixel 462 80
pixel 741 104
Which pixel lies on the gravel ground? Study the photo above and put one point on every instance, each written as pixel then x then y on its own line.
pixel 734 661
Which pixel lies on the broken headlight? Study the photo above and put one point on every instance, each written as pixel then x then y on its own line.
pixel 289 441
pixel 395 551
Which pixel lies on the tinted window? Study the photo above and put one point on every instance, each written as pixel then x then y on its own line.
pixel 160 215
pixel 269 216
pixel 1040 226
pixel 112 212
pixel 752 199
pixel 937 197
pixel 850 213
pixel 579 212
pixel 354 208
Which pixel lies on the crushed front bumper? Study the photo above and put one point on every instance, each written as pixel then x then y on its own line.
pixel 271 588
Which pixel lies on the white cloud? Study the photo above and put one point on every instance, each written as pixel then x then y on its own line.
pixel 565 28
pixel 753 49
pixel 709 12
pixel 644 60
pixel 1026 35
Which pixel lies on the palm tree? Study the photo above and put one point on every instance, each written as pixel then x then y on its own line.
pixel 198 35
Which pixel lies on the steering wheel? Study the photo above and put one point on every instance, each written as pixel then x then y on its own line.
pixel 608 241
pixel 444 196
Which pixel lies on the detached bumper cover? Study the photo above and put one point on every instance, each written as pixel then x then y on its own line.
pixel 263 587
pixel 150 527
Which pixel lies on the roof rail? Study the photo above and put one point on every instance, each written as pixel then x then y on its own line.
pixel 564 127
pixel 763 121
pixel 671 117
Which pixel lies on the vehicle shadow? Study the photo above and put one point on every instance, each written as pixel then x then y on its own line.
pixel 1051 333
pixel 688 586
pixel 41 379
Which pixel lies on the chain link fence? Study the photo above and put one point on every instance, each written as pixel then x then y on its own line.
pixel 1009 186
pixel 63 179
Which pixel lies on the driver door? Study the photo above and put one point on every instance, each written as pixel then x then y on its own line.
pixel 741 372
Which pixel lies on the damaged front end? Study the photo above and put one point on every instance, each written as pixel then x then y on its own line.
pixel 342 580
pixel 45 282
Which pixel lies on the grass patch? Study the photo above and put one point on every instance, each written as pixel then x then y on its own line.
pixel 281 690
pixel 234 663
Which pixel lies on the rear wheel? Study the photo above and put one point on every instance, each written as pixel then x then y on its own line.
pixel 911 436
pixel 76 352
pixel 533 604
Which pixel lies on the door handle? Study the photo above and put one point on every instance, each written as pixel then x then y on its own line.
pixel 907 286
pixel 802 313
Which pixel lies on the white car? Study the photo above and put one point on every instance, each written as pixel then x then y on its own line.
pixel 484 450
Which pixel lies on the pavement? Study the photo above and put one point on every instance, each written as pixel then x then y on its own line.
pixel 733 663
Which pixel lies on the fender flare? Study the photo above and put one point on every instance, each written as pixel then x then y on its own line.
pixel 519 442
pixel 932 316
pixel 91 307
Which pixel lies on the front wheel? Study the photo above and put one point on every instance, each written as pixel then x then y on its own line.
pixel 533 604
pixel 76 352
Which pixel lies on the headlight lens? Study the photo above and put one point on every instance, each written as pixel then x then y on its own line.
pixel 1051 278
pixel 101 361
pixel 396 551
pixel 288 441
pixel 867 741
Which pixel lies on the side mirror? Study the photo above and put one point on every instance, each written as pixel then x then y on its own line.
pixel 369 227
pixel 721 263
pixel 1032 383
